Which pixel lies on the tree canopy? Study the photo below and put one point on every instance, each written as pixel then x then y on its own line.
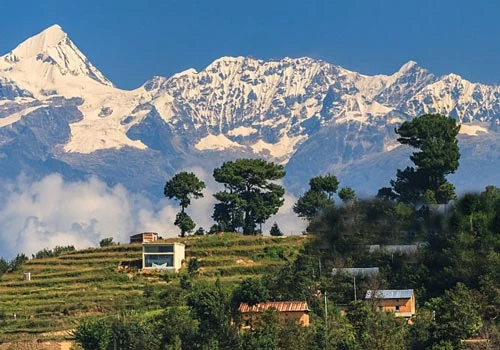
pixel 318 197
pixel 435 136
pixel 250 197
pixel 182 187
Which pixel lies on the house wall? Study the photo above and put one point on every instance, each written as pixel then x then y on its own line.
pixel 405 305
pixel 145 237
pixel 299 317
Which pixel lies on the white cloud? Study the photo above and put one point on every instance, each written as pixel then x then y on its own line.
pixel 288 222
pixel 43 214
pixel 50 212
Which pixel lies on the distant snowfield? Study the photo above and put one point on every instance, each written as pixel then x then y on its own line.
pixel 216 142
pixel 242 131
pixel 284 148
pixel 472 130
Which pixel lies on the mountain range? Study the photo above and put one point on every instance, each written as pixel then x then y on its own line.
pixel 59 113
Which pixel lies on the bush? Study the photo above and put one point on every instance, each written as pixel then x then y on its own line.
pixel 275 231
pixel 106 242
pixel 193 266
pixel 17 262
pixel 51 253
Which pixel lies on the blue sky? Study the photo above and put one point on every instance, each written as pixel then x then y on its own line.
pixel 130 41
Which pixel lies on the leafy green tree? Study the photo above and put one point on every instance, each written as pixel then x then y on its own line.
pixel 265 335
pixel 228 213
pixel 93 334
pixel 211 308
pixel 106 242
pixel 328 184
pixel 193 266
pixel 347 194
pixel 435 136
pixel 184 222
pixel 183 187
pixel 293 336
pixel 16 263
pixel 251 291
pixel 311 204
pixel 4 266
pixel 177 328
pixel 317 198
pixel 250 197
pixel 456 315
pixel 275 230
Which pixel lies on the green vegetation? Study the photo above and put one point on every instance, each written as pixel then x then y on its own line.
pixel 452 263
pixel 250 197
pixel 104 282
pixel 317 198
pixel 184 186
pixel 436 138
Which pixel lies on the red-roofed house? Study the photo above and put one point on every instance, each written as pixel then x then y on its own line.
pixel 296 311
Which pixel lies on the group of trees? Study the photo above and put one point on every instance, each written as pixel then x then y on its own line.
pixel 435 136
pixel 13 265
pixel 251 194
pixel 455 272
pixel 455 277
pixel 249 198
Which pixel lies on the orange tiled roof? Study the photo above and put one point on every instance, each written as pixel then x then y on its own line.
pixel 281 306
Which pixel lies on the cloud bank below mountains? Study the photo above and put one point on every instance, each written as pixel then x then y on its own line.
pixel 43 214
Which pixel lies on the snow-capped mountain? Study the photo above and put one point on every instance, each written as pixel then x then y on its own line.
pixel 58 112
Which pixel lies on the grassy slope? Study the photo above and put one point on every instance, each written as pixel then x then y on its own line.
pixel 64 289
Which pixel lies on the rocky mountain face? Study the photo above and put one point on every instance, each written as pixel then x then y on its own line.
pixel 58 113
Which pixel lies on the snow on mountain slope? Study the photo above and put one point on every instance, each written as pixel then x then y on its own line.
pixel 290 110
pixel 452 95
pixel 43 59
pixel 49 65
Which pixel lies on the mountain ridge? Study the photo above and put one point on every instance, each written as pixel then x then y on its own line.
pixel 284 110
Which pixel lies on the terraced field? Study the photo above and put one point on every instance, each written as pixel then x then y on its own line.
pixel 73 285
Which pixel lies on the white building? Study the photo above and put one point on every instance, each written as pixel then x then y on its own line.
pixel 163 256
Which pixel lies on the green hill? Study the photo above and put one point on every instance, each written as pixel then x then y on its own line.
pixel 68 287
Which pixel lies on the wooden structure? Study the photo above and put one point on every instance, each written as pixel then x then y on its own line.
pixel 401 302
pixel 294 311
pixel 144 237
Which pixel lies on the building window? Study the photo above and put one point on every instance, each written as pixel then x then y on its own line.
pixel 158 249
pixel 153 260
pixel 397 308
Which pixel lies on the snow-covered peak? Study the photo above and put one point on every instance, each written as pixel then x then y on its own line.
pixel 33 46
pixel 407 66
pixel 49 57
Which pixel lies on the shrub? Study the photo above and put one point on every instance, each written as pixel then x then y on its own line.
pixel 275 230
pixel 106 242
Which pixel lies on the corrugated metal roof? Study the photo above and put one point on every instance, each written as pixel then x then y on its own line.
pixel 389 294
pixel 356 270
pixel 281 306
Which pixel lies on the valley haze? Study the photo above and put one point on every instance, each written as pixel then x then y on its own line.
pixel 81 160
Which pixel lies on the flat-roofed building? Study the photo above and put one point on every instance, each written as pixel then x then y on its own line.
pixel 163 256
